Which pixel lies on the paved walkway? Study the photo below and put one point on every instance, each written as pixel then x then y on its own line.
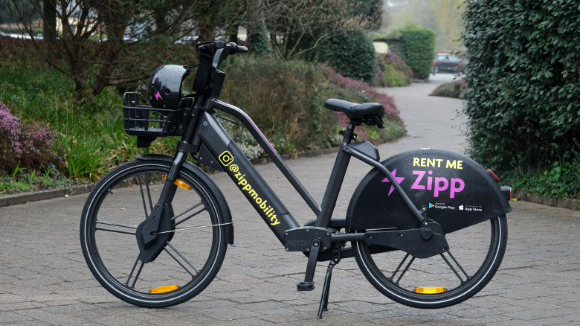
pixel 44 279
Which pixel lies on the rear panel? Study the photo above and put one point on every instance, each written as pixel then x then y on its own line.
pixel 456 191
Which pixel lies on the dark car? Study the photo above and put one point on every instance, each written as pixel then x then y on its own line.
pixel 446 62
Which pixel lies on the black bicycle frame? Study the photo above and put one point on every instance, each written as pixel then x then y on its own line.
pixel 210 132
pixel 204 129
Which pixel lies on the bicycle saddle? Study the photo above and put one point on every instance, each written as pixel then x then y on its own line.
pixel 369 113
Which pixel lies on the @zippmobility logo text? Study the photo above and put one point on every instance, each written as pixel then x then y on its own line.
pixel 226 159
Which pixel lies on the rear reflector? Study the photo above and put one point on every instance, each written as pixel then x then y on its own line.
pixel 164 289
pixel 429 289
pixel 493 174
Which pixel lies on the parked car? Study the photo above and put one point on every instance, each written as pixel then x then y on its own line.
pixel 446 62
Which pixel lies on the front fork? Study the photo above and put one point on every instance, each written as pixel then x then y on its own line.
pixel 149 241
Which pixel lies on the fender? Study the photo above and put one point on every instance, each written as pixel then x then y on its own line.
pixel 221 201
pixel 454 190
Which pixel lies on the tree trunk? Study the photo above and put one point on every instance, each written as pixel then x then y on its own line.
pixel 257 30
pixel 205 30
pixel 49 20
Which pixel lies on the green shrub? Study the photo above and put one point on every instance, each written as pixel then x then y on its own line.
pixel 558 180
pixel 285 98
pixel 524 72
pixel 453 89
pixel 417 48
pixel 89 136
pixel 394 71
pixel 350 53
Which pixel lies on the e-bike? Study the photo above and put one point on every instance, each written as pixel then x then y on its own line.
pixel 427 227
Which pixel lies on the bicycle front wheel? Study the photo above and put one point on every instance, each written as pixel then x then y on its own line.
pixel 191 256
pixel 474 255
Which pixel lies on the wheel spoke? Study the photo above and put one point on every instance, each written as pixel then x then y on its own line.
pixel 142 195
pixel 190 216
pixel 194 227
pixel 137 261
pixel 452 268
pixel 459 265
pixel 182 257
pixel 137 275
pixel 148 193
pixel 115 231
pixel 133 227
pixel 399 267
pixel 118 224
pixel 405 270
pixel 187 210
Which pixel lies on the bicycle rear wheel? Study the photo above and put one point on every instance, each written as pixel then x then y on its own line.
pixel 193 253
pixel 475 254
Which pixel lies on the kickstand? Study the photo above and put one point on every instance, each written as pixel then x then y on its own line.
pixel 326 289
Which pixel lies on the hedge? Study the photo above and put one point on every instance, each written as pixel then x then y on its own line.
pixel 350 53
pixel 523 75
pixel 417 49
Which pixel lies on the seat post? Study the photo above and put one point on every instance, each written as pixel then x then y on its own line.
pixel 336 179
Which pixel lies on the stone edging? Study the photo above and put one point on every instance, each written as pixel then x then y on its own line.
pixel 22 198
pixel 569 203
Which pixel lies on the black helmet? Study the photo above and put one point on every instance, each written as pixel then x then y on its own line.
pixel 165 86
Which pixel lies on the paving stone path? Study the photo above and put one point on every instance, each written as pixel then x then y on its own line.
pixel 45 281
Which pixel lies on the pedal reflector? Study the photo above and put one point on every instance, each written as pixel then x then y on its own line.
pixel 430 289
pixel 164 289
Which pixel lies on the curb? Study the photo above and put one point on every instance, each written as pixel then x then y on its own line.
pixel 569 203
pixel 23 198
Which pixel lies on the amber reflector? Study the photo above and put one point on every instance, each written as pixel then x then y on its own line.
pixel 429 289
pixel 164 289
pixel 178 183
pixel 182 184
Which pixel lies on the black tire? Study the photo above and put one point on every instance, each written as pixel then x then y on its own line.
pixel 390 284
pixel 190 260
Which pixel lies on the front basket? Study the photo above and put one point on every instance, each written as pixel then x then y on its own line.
pixel 145 120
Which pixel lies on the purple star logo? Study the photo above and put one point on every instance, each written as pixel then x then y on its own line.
pixel 158 96
pixel 399 180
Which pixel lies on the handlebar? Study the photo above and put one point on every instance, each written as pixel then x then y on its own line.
pixel 212 47
pixel 211 54
pixel 218 51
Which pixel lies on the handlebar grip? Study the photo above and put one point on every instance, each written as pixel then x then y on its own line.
pixel 242 49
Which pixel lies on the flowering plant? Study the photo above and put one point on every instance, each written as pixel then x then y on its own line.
pixel 24 145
